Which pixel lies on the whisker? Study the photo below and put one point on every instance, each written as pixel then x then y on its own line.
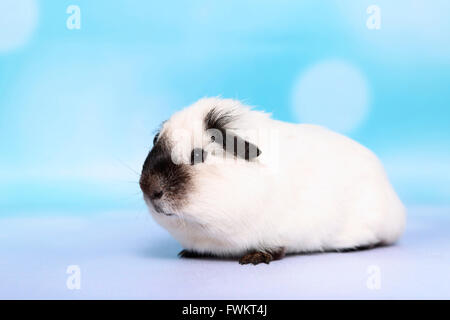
pixel 128 167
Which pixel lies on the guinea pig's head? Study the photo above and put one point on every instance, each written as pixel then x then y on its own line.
pixel 194 158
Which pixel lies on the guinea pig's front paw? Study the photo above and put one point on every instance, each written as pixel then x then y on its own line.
pixel 256 257
pixel 266 256
pixel 262 256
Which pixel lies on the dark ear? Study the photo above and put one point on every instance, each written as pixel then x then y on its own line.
pixel 234 144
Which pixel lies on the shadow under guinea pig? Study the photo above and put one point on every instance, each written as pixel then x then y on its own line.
pixel 162 248
pixel 168 248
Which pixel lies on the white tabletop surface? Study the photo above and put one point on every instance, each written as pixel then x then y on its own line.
pixel 127 255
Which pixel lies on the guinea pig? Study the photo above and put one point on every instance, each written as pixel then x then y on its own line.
pixel 228 181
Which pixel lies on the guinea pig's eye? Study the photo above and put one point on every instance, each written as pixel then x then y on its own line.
pixel 198 155
pixel 155 138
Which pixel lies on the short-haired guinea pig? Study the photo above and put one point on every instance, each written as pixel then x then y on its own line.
pixel 228 181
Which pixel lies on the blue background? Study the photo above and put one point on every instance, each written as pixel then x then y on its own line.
pixel 78 108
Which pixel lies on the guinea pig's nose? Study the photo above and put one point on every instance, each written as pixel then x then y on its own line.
pixel 151 187
pixel 156 195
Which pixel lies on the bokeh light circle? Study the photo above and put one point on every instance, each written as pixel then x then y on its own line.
pixel 331 93
pixel 18 19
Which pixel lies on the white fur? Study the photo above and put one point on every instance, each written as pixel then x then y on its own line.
pixel 311 189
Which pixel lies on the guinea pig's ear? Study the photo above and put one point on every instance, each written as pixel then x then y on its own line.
pixel 216 123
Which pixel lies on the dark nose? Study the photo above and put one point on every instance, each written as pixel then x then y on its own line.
pixel 151 187
pixel 156 195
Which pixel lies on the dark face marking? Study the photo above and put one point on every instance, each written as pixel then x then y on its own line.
pixel 217 123
pixel 163 181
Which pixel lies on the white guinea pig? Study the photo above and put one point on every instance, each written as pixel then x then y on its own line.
pixel 229 181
